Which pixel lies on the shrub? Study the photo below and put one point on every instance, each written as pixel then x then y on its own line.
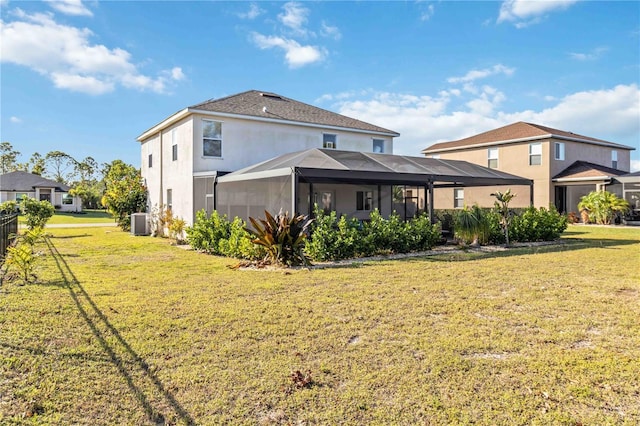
pixel 472 226
pixel 238 244
pixel 283 237
pixel 8 207
pixel 332 238
pixel 37 213
pixel 22 256
pixel 176 230
pixel 602 206
pixel 538 225
pixel 206 232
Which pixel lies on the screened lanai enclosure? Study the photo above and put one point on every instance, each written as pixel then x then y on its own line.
pixel 348 182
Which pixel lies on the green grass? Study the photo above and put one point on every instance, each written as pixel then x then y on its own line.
pixel 87 216
pixel 131 330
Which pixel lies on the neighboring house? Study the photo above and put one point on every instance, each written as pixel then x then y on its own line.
pixel 15 186
pixel 564 166
pixel 187 158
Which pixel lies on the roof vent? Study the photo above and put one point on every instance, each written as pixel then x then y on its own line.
pixel 271 96
pixel 264 109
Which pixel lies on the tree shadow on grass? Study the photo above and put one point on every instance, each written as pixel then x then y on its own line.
pixel 131 366
pixel 66 237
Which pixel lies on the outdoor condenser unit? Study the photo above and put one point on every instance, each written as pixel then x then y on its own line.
pixel 140 224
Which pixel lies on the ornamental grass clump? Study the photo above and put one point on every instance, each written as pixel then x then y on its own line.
pixel 283 238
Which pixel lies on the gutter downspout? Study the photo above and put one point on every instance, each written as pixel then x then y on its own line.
pixel 294 191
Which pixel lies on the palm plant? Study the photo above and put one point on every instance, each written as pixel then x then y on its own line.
pixel 602 206
pixel 283 237
pixel 472 226
pixel 502 206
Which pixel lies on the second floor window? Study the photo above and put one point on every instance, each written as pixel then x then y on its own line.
pixel 614 159
pixel 211 138
pixel 378 145
pixel 492 158
pixel 329 141
pixel 150 160
pixel 559 151
pixel 535 154
pixel 174 152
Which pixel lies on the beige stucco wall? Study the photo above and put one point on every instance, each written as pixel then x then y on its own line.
pixel 443 197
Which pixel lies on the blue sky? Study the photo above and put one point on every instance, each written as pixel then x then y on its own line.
pixel 88 77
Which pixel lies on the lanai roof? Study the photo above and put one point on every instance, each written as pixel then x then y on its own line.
pixel 328 165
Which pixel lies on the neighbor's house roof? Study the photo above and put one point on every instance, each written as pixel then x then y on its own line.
pixel 271 107
pixel 329 165
pixel 27 182
pixel 517 132
pixel 583 170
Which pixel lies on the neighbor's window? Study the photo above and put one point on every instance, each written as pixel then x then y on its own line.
pixel 169 199
pixel 435 156
pixel 492 158
pixel 364 200
pixel 21 196
pixel 211 138
pixel 378 145
pixel 614 159
pixel 329 141
pixel 150 160
pixel 458 198
pixel 559 151
pixel 174 152
pixel 67 199
pixel 535 154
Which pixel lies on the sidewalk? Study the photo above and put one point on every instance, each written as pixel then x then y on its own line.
pixel 75 225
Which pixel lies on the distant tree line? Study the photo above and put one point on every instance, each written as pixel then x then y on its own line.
pixel 107 185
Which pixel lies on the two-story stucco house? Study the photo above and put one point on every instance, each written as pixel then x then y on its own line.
pixel 564 166
pixel 255 150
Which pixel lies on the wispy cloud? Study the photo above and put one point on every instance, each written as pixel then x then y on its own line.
pixel 70 7
pixel 427 12
pixel 483 73
pixel 16 120
pixel 294 17
pixel 589 56
pixel 296 55
pixel 330 31
pixel 66 55
pixel 523 13
pixel 253 12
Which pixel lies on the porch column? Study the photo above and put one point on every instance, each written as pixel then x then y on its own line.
pixel 294 191
pixel 310 199
pixel 431 215
pixel 531 194
pixel 380 198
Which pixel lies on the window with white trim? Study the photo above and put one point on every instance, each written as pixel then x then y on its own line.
pixel 329 141
pixel 614 159
pixel 492 158
pixel 558 149
pixel 458 198
pixel 378 146
pixel 535 154
pixel 211 138
pixel 21 196
pixel 364 200
pixel 67 199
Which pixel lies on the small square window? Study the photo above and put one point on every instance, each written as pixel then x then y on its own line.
pixel 150 160
pixel 174 152
pixel 364 200
pixel 535 154
pixel 67 199
pixel 559 151
pixel 458 198
pixel 378 146
pixel 329 141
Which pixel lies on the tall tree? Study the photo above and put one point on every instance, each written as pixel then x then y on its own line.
pixel 8 158
pixel 37 164
pixel 59 164
pixel 125 192
pixel 86 169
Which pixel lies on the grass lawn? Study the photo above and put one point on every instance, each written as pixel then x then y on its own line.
pixel 87 216
pixel 130 330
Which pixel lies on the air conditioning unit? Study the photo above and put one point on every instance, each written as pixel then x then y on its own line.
pixel 140 224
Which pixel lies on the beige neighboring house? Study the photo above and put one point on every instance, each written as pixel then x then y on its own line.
pixel 15 186
pixel 563 165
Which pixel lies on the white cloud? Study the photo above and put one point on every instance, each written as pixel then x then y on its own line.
pixel 590 56
pixel 479 74
pixel 635 166
pixel 15 119
pixel 66 55
pixel 70 7
pixel 253 12
pixel 294 17
pixel 609 114
pixel 528 12
pixel 296 55
pixel 330 31
pixel 427 13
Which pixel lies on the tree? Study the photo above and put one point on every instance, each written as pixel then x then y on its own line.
pixel 86 169
pixel 60 163
pixel 8 158
pixel 125 192
pixel 37 164
pixel 602 206
pixel 502 206
pixel 37 213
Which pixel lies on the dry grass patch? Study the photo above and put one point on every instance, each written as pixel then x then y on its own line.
pixel 131 330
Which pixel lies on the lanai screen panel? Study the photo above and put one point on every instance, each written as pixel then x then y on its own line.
pixel 250 198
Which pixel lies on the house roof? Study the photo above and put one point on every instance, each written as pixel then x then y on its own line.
pixel 27 182
pixel 517 132
pixel 329 165
pixel 581 170
pixel 267 106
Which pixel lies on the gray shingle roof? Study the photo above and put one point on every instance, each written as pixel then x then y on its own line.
pixel 273 106
pixel 27 182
